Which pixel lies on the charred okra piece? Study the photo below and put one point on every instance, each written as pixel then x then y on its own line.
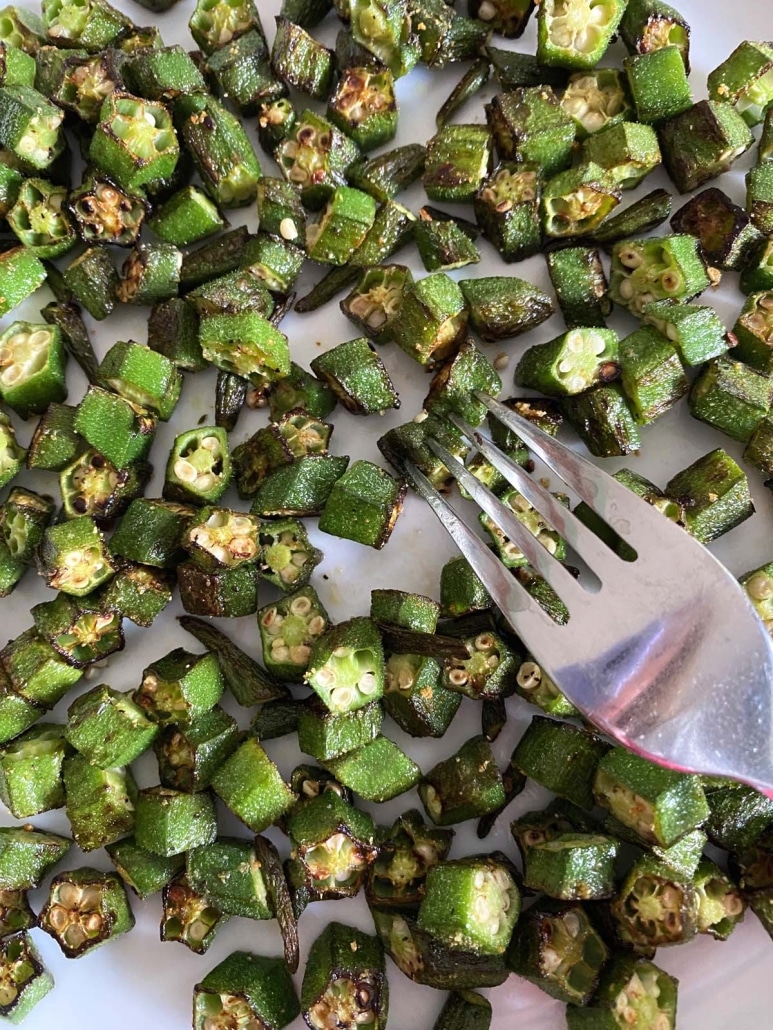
pixel 702 142
pixel 471 904
pixel 99 802
pixel 415 697
pixel 179 687
pixel 739 816
pixel 214 23
pixel 529 124
pixel 30 126
pixel 534 685
pixel 363 106
pixel 251 786
pixel 576 201
pixel 288 630
pixel 465 786
pixel 386 31
pixel 442 245
pixel 556 947
pixel 571 364
pixel 93 281
pixel 36 671
pixel 218 538
pixel 457 162
pixel 248 988
pixel 299 489
pixel 745 81
pixel 432 318
pixel 346 666
pixel 507 209
pixel 759 198
pixel 409 442
pixel 141 870
pixel 377 771
pixel 714 495
pixel 25 979
pixel 660 805
pixel 104 213
pixel 658 84
pixel 221 150
pixel 92 485
pixel 20 275
pixel 315 156
pixel 575 35
pixel 407 851
pixel 189 917
pixel 119 429
pixel 627 151
pixel 300 61
pixel 386 175
pixel 357 376
pixel 451 389
pixel 40 219
pixel 150 273
pixel 651 373
pixel 325 735
pixel 188 756
pixel 232 294
pixel 15 913
pixel 562 758
pixel 696 332
pixel 151 532
pixel 732 397
pixel 300 390
pixel 280 211
pixel 86 908
pixel 375 302
pixel 654 906
pixel 243 73
pixel 486 672
pixel 632 990
pixel 287 558
pixel 363 505
pixel 345 980
pixel 725 231
pixel 658 268
pixel 108 728
pixel 134 141
pixel 140 375
pixel 31 772
pixel 757 273
pixel 246 344
pixel 32 367
pixel 27 855
pixel 55 443
pixel 138 593
pixel 596 99
pixel 581 286
pixel 572 866
pixel 217 258
pixel 333 844
pixel 74 557
pixel 173 331
pixel 651 24
pixel 199 467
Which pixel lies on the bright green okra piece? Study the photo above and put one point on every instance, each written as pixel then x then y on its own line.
pixel 142 376
pixel 86 908
pixel 246 344
pixel 714 495
pixel 661 805
pixel 529 125
pixel 316 156
pixel 17 714
pixel 90 24
pixel 299 489
pixel 562 758
pixel 276 121
pixel 651 373
pixel 745 80
pixel 346 666
pixel 170 822
pixel 604 421
pixel 648 992
pixel 31 771
pixel 732 397
pixel 658 84
pixel 179 687
pixel 575 35
pixel 431 319
pixel 55 443
pixel 143 872
pixel 23 29
pixel 325 735
pixel 410 611
pixel 758 585
pixel 92 279
pixel 572 866
pixel 118 428
pixel 138 593
pixel 275 262
pixel 581 287
pixel 21 273
pixel 173 331
pixel 461 591
pixel 658 268
pixel 32 367
pixel 363 105
pixel 199 467
pixel 134 141
pixel 246 987
pixel 721 905
pixel 341 227
pixel 108 728
pixel 758 450
pixel 300 61
pixel 702 142
pixel 30 126
pixel 150 273
pixel 363 505
pixel 11 453
pixel 628 151
pixel 27 855
pixel 243 73
pixel 465 786
pixel 40 218
pixel 571 363
pixel 696 332
pixel 759 197
pixel 36 671
pixel 221 151
pixel 215 23
pixel 377 771
pixel 457 161
pixel 189 756
pixel 280 212
pixel 74 557
pixel 252 787
pixel 451 389
pixel 187 217
pixel 345 979
pixel 99 802
pixel 26 980
pixel 576 201
pixel 596 99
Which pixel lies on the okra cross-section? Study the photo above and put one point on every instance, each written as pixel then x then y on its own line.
pixel 659 268
pixel 462 787
pixel 316 156
pixel 633 992
pixel 571 363
pixel 24 980
pixel 507 209
pixel 346 666
pixel 86 908
pixel 596 99
pixel 32 367
pixel 344 984
pixel 246 344
pixel 134 141
pixel 199 467
pixel 407 851
pixel 288 631
pixel 576 201
pixel 220 537
pixel 31 772
pixel 189 917
pixel 364 106
pixel 333 844
pixel 246 991
pixel 74 557
pixel 179 687
pixel 575 33
pixel 655 906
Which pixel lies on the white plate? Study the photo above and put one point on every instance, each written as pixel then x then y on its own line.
pixel 138 982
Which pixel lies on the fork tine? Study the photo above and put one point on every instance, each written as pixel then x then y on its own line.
pixel 583 540
pixel 564 584
pixel 618 506
pixel 518 606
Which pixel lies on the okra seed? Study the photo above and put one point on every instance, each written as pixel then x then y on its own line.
pixel 670 281
pixel 572 923
pixel 341 698
pixel 433 801
pixel 551 960
pixel 74 936
pixel 479 879
pixel 280 654
pixel 487 11
pixel 367 683
pixel 59 918
pixel 299 654
pixel 7 994
pixel 287 229
pixel 458 677
pixel 326 676
pixel 316 626
pixel 760 587
pixel 630 1016
pixel 300 606
pixel 184 471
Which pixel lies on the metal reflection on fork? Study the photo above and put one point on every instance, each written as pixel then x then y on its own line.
pixel 667 656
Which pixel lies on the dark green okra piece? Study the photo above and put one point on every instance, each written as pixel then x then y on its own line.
pixel 628 151
pixel 758 449
pixel 180 687
pixel 215 23
pixel 456 163
pixel 528 124
pixel 571 363
pixel 377 771
pixel 99 802
pixel 86 908
pixel 300 390
pixel 108 728
pixel 186 217
pixel 461 591
pixel 345 979
pixel 657 81
pixel 27 855
pixel 660 805
pixel 173 331
pixel 407 850
pixel 93 281
pixel 325 735
pixel 581 286
pixel 299 489
pixel 134 141
pixel 246 986
pixel 138 593
pixel 485 672
pixel 534 685
pixel 696 332
pixel 357 376
pixel 415 697
pixel 221 151
pixel 471 904
pixel 375 302
pixel 149 274
pixel 556 947
pixel 744 80
pixel 119 429
pixel 143 872
pixel 170 822
pixel 276 121
pixel 465 786
pixel 234 293
pixel 23 520
pixel 252 787
pixel 275 262
pixel 31 772
pixel 642 216
pixel 732 397
pixel 507 208
pixel 562 758
pixel 757 273
pixel 465 1008
pixel 649 992
pixel 363 505
pixel 13 454
pixel 315 156
pixel 655 906
pixel 714 495
pixel 572 866
pixel 161 73
pixel 566 37
pixel 473 80
pixel 21 273
pixel 451 389
pixel 603 420
pixel 40 219
pixel 386 175
pixel 442 245
pixel 409 442
pixel 432 319
pixel 333 844
pixel 725 231
pixel 17 714
pixel 759 198
pixel 105 213
pixel 189 917
pixel 280 211
pixel 216 258
pixel 576 201
pixel 514 70
pixel 188 756
pixel 242 72
pixel 15 913
pixel 650 24
pixel 151 531
pixel 386 31
pixel 410 611
pixel 658 268
pixel 74 557
pixel 199 467
pixel 651 373
pixel 702 142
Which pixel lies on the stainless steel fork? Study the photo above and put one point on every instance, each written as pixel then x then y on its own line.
pixel 668 656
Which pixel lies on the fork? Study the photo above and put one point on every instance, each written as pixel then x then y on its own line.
pixel 667 656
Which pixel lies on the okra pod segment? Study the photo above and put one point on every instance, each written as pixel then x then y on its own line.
pixel 315 156
pixel 189 917
pixel 374 303
pixel 20 275
pixel 345 980
pixel 714 495
pixel 333 844
pixel 386 175
pixel 248 987
pixel 31 782
pixel 465 786
pixel 86 908
pixel 105 213
pixel 576 201
pixel 650 24
pixel 199 467
pixel 726 234
pixel 574 35
pixel 221 150
pixel 632 989
pixel 363 505
pixel 457 161
pixel 363 106
pixel 215 23
pixel 654 906
pixel 596 100
pixel 300 61
pixel 346 666
pixel 657 81
pixel 658 268
pixel 143 872
pixel 179 687
pixel 27 855
pixel 30 126
pixel 252 787
pixel 82 632
pixel 581 286
pixel 407 851
pixel 745 80
pixel 732 397
pixel 572 363
pixel 702 142
pixel 32 367
pixel 41 220
pixel 93 281
pixel 651 373
pixel 134 141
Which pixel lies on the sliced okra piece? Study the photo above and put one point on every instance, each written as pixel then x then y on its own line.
pixel 179 687
pixel 149 274
pixel 651 24
pixel 188 756
pixel 342 226
pixel 215 23
pixel 86 908
pixel 534 685
pixel 702 142
pixel 74 557
pixel 529 125
pixel 556 947
pixel 299 489
pixel 451 389
pixel 300 390
pixel 657 81
pixel 30 126
pixel 10 183
pixel 346 666
pixel 93 281
pixel 571 363
pixel 757 273
pixel 173 331
pixel 275 262
pixel 720 904
pixel 82 632
pixel 386 31
pixel 27 855
pixel 108 728
pixel 377 771
pixel 752 866
pixel 134 141
pixel 189 917
pixel 514 69
pixel 363 505
pixel 739 816
pixel 326 735
pixel 658 268
pixel 471 904
pixel 227 592
pixel 628 151
pixel 93 25
pixel 36 671
pixel 576 201
pixel 243 73
pixel 461 591
pixel 300 61
pixel 654 906
pixel 725 231
pixel 432 318
pixel 15 913
pixel 245 344
pixel 253 460
pixel 562 758
pixel 732 397
pixel 466 786
pixel 23 521
pixel 632 990
pixel 104 213
pixel 170 822
pixel 642 216
pixel 507 208
pixel 486 671
pixel 21 273
pixel 31 772
pixel 11 453
pixel 221 150
pixel 288 630
pixel 572 866
pixel 596 99
pixel 463 40
pixel 199 467
pixel 473 80
pixel 151 531
pixel 758 449
pixel 765 143
pixel 603 420
pixel 77 81
pixel 17 714
pixel 345 980
pixel 104 479
pixel 575 36
pixel 32 367
pixel 309 781
pixel 415 697
pixel 411 611
pixel 276 121
pixel 581 286
pixel 187 217
pixel 99 802
pixel 465 1008
pixel 40 219
pixel 375 302
pixel 442 245
pixel 661 805
pixel 315 156
pixel 651 373
pixel 23 29
pixel 409 442
pixel 758 585
pixel 759 198
pixel 142 871
pixel 280 212
pixel 252 989
pixel 714 495
pixel 55 442
pixel 213 259
pixel 745 81
pixel 252 787
pixel 24 977
pixel 333 844
pixel 219 538
pixel 386 175
pixel 407 851
pixel 696 332
pixel 161 73
pixel 232 294
pixel 138 593
pixel 457 162
pixel 142 376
